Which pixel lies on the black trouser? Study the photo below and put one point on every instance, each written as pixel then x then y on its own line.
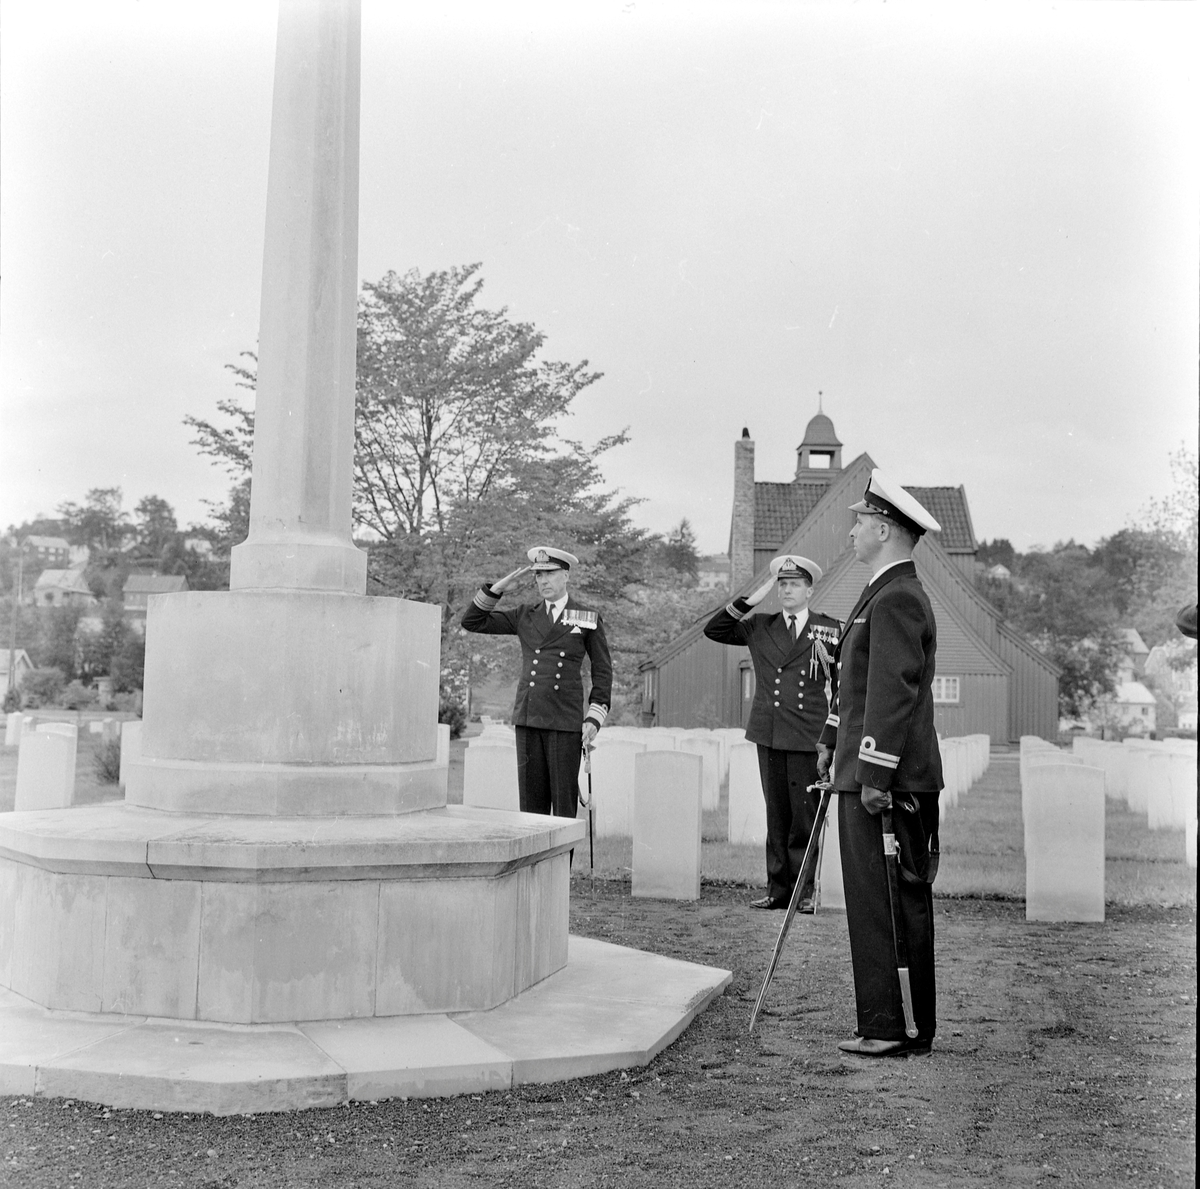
pixel 548 770
pixel 868 913
pixel 791 812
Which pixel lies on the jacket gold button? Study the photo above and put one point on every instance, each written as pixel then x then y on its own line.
pixel 531 683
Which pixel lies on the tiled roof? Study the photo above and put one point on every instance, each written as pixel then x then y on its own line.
pixel 779 509
pixel 154 583
pixel 949 508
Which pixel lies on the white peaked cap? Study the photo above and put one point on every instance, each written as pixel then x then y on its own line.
pixel 792 565
pixel 545 558
pixel 884 497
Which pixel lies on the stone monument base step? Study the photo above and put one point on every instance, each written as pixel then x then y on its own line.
pixel 609 1008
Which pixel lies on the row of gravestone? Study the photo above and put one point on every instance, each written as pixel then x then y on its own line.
pixel 1156 778
pixel 641 787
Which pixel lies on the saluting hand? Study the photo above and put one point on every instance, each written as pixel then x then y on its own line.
pixel 508 579
pixel 755 597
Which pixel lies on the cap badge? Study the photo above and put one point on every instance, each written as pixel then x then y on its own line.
pixel 542 556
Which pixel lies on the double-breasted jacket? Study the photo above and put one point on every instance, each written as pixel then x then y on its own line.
pixel 550 687
pixel 791 677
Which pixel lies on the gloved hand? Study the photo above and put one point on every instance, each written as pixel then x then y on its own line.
pixel 875 801
pixel 824 760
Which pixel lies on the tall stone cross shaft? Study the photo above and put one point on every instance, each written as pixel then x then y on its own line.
pixel 300 510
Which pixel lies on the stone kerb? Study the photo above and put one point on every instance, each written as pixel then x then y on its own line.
pixel 667 816
pixel 490 776
pixel 747 806
pixel 612 786
pixel 45 770
pixel 709 751
pixel 1064 843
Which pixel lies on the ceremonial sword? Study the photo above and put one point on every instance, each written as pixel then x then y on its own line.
pixel 587 767
pixel 807 867
pixel 891 860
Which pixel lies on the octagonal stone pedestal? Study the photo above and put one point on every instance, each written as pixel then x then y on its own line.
pixel 246 964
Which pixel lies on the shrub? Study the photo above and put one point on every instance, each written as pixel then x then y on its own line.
pixel 453 713
pixel 107 760
pixel 41 687
pixel 12 699
pixel 76 696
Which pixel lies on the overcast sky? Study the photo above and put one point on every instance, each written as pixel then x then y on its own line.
pixel 973 228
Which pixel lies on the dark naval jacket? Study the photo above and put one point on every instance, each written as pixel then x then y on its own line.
pixel 550 688
pixel 790 703
pixel 881 722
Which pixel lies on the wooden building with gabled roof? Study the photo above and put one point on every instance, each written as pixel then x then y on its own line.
pixel 990 679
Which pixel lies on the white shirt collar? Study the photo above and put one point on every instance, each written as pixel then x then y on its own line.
pixel 884 569
pixel 801 618
pixel 555 609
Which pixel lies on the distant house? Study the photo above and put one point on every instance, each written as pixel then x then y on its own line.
pixel 21 665
pixel 62 588
pixel 1131 709
pixel 135 594
pixel 49 551
pixel 999 573
pixel 201 546
pixel 1178 685
pixel 712 572
pixel 990 679
pixel 1135 649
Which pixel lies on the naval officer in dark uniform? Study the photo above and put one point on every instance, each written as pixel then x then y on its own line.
pixel 556 633
pixel 791 652
pixel 880 737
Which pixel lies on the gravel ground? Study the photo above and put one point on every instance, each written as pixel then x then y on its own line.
pixel 1066 1055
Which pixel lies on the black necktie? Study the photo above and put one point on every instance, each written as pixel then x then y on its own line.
pixel 792 627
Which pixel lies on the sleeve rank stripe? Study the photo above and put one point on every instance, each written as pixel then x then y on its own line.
pixel 833 720
pixel 485 601
pixel 598 712
pixel 874 757
pixel 734 613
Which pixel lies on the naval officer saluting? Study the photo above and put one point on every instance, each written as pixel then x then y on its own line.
pixel 556 633
pixel 881 738
pixel 793 665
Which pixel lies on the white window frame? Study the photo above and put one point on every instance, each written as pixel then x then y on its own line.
pixel 947 691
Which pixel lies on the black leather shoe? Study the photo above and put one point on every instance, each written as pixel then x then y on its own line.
pixel 768 902
pixel 808 905
pixel 869 1046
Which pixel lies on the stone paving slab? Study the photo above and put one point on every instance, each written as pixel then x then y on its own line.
pixel 611 1007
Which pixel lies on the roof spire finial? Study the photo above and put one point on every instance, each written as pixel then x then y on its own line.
pixel 820 402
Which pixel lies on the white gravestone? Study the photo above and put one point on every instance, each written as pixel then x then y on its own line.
pixel 612 786
pixel 12 729
pixel 45 769
pixel 709 751
pixel 747 805
pixel 660 739
pixel 131 747
pixel 490 777
pixel 1183 788
pixel 667 818
pixel 1156 767
pixel 1064 843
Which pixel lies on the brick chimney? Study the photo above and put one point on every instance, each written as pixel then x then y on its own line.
pixel 741 529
